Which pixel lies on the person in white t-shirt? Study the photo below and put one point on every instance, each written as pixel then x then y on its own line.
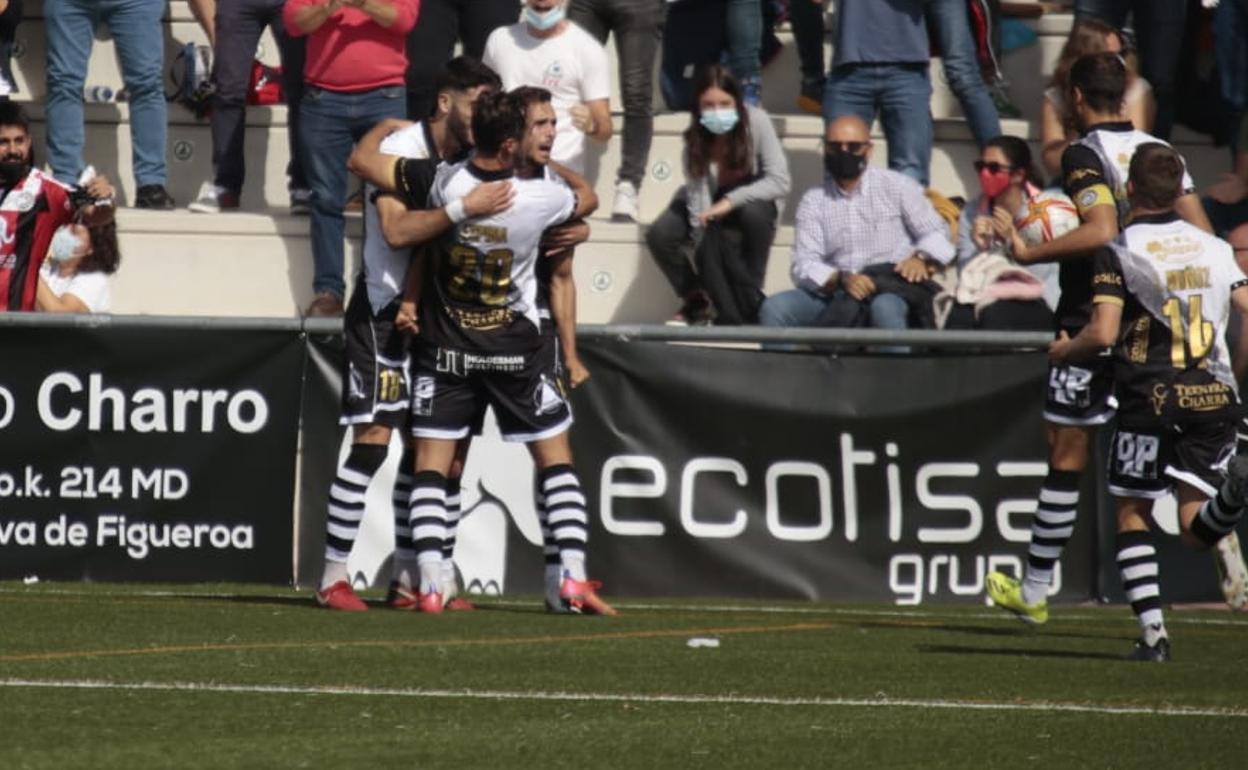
pixel 546 50
pixel 74 277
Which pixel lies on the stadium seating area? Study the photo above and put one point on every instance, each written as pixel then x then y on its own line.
pixel 259 263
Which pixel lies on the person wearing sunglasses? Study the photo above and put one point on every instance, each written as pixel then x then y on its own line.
pixel 866 241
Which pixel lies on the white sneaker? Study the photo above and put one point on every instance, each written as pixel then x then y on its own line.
pixel 213 200
pixel 1232 574
pixel 625 207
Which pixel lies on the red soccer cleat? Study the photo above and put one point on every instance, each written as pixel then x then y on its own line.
pixel 340 596
pixel 581 596
pixel 400 598
pixel 459 604
pixel 430 602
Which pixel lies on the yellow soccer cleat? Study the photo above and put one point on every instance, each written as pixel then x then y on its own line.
pixel 1007 593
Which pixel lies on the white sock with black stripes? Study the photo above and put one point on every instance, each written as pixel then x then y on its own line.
pixel 567 517
pixel 346 508
pixel 1217 517
pixel 404 568
pixel 1051 529
pixel 450 586
pixel 553 569
pixel 1137 563
pixel 428 522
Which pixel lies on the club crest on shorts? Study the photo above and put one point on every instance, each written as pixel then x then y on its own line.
pixel 422 396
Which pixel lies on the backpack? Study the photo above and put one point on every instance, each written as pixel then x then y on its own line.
pixel 191 73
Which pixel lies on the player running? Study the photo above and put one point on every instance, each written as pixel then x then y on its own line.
pixel 1162 295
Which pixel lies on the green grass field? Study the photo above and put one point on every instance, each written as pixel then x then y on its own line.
pixel 106 676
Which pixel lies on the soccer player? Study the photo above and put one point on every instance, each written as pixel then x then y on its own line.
pixel 376 384
pixel 481 344
pixel 1080 396
pixel 1162 295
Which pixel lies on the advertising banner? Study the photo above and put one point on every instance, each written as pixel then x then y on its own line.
pixel 142 453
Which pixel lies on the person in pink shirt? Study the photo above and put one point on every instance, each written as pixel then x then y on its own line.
pixel 354 78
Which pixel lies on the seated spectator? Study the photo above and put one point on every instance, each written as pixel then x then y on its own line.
pixel 354 77
pixel 996 292
pixel 235 29
pixel 10 17
pixel 32 206
pixel 1057 122
pixel 138 34
pixel 737 173
pixel 546 50
pixel 74 277
pixel 866 234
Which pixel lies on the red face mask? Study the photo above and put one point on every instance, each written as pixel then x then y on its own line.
pixel 994 184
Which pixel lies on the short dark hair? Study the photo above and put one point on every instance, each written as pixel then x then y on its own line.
pixel 529 96
pixel 1102 79
pixel 1156 173
pixel 1017 152
pixel 465 72
pixel 12 114
pixel 496 117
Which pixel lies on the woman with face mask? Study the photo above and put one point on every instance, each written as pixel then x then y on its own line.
pixel 737 175
pixel 74 276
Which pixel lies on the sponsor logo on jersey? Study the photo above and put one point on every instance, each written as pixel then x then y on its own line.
pixel 1203 398
pixel 1158 398
pixel 1174 248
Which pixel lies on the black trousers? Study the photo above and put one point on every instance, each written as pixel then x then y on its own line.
pixel 432 41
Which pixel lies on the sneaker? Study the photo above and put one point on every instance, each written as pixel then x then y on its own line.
pixel 1007 593
pixel 458 604
pixel 1157 653
pixel 430 602
pixel 1232 574
pixel 213 200
pixel 399 597
pixel 153 196
pixel 340 596
pixel 581 597
pixel 325 304
pixel 810 99
pixel 625 207
pixel 300 202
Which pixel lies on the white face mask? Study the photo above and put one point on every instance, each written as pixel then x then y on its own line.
pixel 64 244
pixel 543 20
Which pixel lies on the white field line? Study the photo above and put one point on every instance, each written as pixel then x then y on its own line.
pixel 1175 615
pixel 599 697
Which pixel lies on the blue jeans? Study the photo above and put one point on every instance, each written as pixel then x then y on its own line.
pixel 902 94
pixel 799 307
pixel 139 37
pixel 744 23
pixel 951 26
pixel 331 122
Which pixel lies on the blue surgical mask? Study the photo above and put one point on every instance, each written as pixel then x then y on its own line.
pixel 543 20
pixel 64 244
pixel 719 120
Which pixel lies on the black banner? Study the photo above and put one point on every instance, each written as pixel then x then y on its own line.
pixel 722 472
pixel 147 454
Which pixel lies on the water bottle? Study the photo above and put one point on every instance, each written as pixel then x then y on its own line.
pixel 98 94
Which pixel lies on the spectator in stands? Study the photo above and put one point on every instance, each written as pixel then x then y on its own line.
pixel 546 50
pixel 1057 121
pixel 431 43
pixel 704 32
pixel 10 17
pixel 880 65
pixel 638 27
pixel 1008 183
pixel 736 173
pixel 32 206
pixel 1158 26
pixel 74 277
pixel 951 28
pixel 354 77
pixel 138 35
pixel 865 234
pixel 235 31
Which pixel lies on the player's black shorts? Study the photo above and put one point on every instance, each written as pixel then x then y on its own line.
pixel 1147 461
pixel 376 383
pixel 1081 394
pixel 452 388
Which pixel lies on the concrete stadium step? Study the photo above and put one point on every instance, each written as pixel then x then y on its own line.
pixel 260 264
